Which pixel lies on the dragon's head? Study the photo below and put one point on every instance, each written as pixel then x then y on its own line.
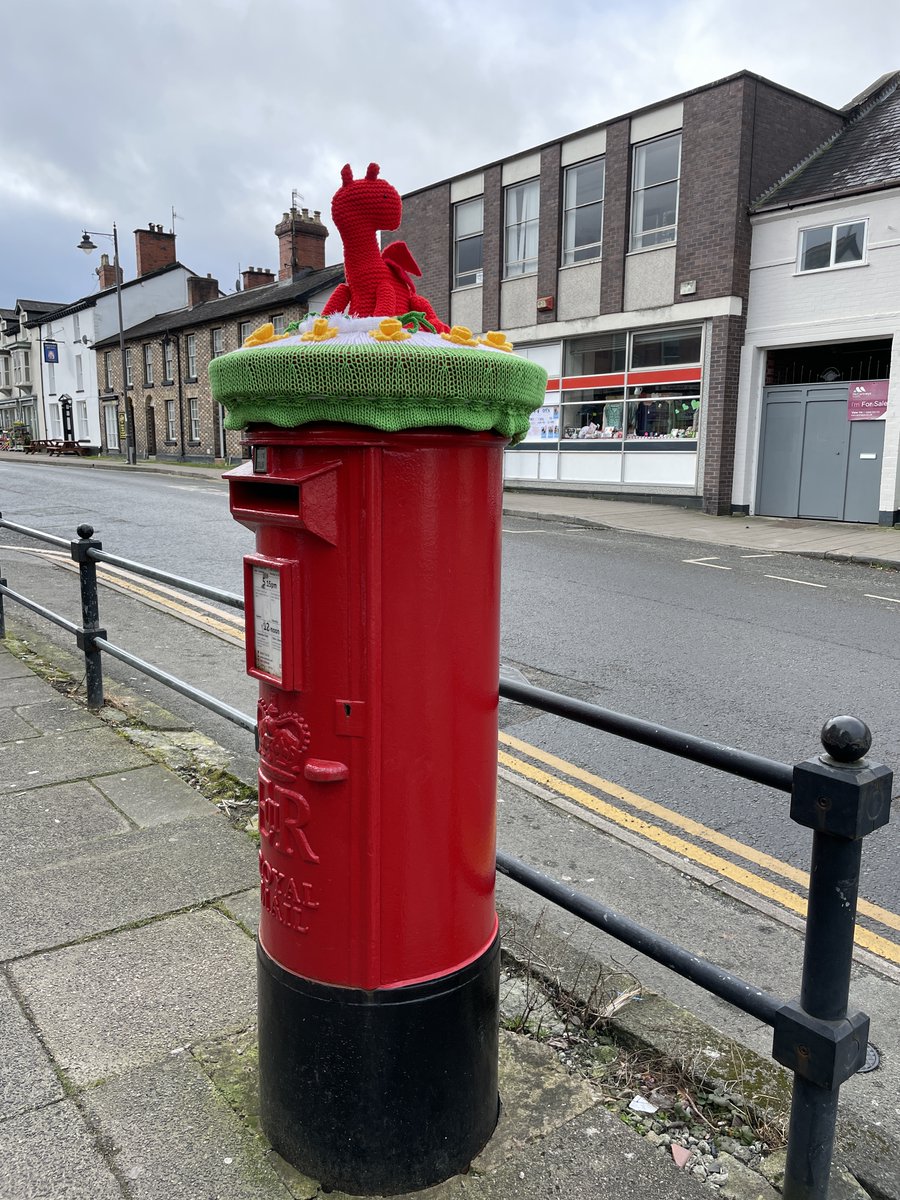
pixel 370 202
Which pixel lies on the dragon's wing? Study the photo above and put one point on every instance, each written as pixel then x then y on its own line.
pixel 399 258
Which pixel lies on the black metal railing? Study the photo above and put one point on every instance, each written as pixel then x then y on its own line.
pixel 839 795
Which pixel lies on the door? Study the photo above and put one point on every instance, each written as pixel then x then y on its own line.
pixel 151 431
pixel 814 462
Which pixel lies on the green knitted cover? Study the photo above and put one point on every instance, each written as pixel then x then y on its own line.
pixel 385 385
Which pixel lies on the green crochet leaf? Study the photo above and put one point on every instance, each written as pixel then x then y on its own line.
pixel 388 386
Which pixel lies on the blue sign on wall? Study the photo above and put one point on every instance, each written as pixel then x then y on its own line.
pixel 51 352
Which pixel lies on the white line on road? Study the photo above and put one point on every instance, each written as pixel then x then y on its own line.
pixel 805 582
pixel 705 562
pixel 890 599
pixel 759 556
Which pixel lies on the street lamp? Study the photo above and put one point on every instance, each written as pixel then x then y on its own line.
pixel 88 247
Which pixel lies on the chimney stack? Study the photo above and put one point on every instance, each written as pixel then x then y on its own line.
pixel 106 273
pixel 301 242
pixel 200 290
pixel 255 277
pixel 153 249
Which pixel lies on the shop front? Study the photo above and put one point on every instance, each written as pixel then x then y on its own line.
pixel 623 410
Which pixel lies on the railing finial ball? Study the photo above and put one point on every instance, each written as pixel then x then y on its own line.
pixel 85 531
pixel 846 738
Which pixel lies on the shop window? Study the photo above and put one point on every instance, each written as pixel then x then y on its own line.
pixel 468 231
pixel 829 246
pixel 599 354
pixel 583 212
pixel 520 246
pixel 665 348
pixel 669 412
pixel 654 196
pixel 593 415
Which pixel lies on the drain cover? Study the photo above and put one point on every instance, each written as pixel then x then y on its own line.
pixel 873 1060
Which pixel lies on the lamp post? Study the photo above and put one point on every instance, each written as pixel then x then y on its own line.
pixel 88 247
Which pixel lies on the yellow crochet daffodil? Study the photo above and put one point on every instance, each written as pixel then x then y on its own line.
pixel 259 337
pixel 321 331
pixel 390 330
pixel 459 335
pixel 497 341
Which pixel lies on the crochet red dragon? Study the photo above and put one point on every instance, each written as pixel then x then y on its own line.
pixel 378 281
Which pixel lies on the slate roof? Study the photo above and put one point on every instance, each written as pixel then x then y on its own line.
pixel 259 299
pixel 863 157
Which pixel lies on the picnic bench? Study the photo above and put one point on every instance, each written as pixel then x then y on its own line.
pixel 60 446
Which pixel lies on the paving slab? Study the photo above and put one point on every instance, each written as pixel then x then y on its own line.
pixel 51 1154
pixel 12 667
pixel 132 877
pixel 206 1150
pixel 13 728
pixel 140 995
pixel 244 907
pixel 58 715
pixel 56 757
pixel 27 1079
pixel 21 689
pixel 154 796
pixel 47 825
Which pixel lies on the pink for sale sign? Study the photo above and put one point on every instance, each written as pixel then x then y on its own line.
pixel 867 400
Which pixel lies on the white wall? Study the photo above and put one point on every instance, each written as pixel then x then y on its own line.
pixel 854 303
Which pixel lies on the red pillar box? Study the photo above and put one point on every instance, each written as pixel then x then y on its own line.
pixel 373 627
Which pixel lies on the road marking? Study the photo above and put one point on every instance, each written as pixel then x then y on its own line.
pixel 787 899
pixel 759 556
pixel 505 530
pixel 707 562
pixel 805 582
pixel 890 599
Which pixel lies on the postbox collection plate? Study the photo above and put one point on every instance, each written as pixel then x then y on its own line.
pixel 271 592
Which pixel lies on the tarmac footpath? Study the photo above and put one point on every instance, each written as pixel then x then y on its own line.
pixel 128 906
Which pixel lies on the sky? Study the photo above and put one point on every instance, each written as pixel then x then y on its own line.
pixel 123 110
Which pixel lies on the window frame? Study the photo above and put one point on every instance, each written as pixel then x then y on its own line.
pixel 51 379
pixel 508 272
pixel 168 348
pixel 194 418
pixel 79 373
pixel 21 368
pixel 569 211
pixel 478 272
pixel 216 341
pixel 832 265
pixel 82 422
pixel 107 370
pixel 5 372
pixel 171 423
pixel 638 148
pixel 129 368
pixel 148 364
pixel 278 323
pixel 190 350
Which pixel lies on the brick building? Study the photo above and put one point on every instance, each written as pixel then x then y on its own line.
pixel 168 355
pixel 618 257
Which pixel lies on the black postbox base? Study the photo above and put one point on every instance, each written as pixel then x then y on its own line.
pixel 382 1092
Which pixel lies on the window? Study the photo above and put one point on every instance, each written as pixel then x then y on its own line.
pixel 170 421
pixel 168 360
pixel 278 322
pixel 21 368
pixel 191 346
pixel 111 420
pixel 468 229
pixel 521 228
pixel 243 331
pixel 129 373
pixel 56 430
pixel 583 212
pixel 195 419
pixel 148 366
pixel 830 246
pixel 5 373
pixel 665 348
pixel 79 374
pixel 107 371
pixel 76 322
pixel 81 416
pixel 216 343
pixel 51 378
pixel 654 199
pixel 599 354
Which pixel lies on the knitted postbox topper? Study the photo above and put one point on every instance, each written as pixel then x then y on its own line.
pixel 378 281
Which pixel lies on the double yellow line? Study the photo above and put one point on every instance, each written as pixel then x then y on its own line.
pixel 621 807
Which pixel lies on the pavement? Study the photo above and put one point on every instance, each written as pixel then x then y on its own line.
pixel 128 909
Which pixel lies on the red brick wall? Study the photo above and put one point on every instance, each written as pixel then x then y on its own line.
pixel 153 249
pixel 721 413
pixel 427 230
pixel 616 207
pixel 549 229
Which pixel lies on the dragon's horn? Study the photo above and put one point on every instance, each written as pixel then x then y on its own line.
pixel 346 175
pixel 372 171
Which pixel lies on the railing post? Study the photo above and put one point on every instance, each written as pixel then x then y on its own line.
pixel 2 614
pixel 90 614
pixel 842 797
